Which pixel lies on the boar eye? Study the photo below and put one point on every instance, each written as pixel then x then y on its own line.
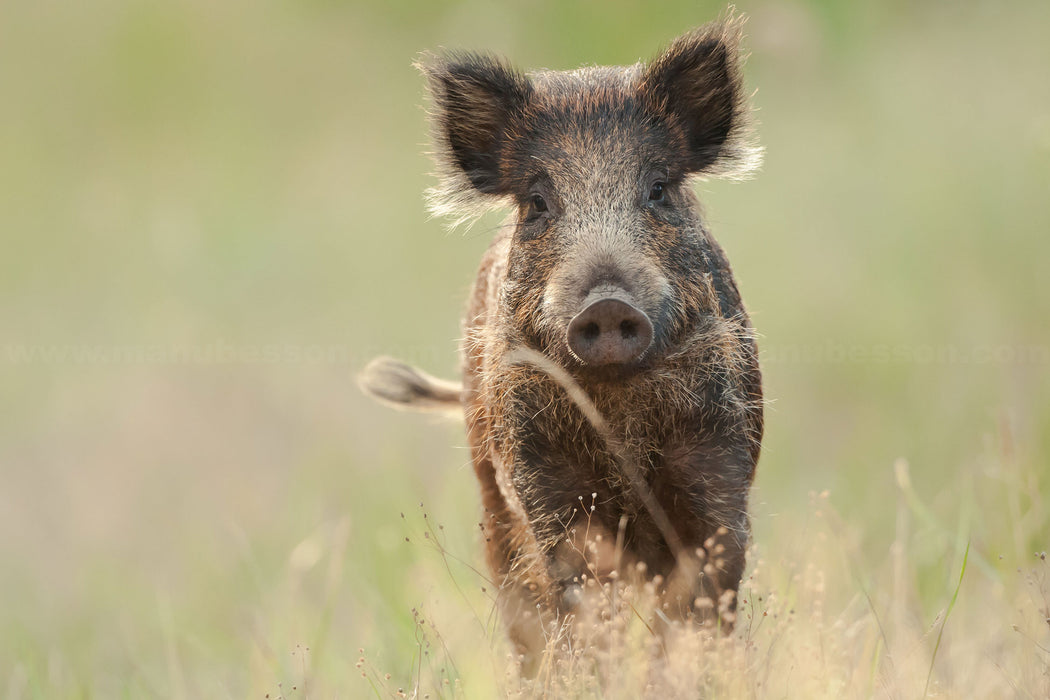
pixel 537 204
pixel 656 192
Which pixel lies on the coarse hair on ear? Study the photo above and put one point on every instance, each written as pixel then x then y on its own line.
pixel 477 105
pixel 697 86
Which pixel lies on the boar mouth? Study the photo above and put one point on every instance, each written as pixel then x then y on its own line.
pixel 609 374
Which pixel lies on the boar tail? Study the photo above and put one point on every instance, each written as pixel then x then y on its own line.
pixel 402 386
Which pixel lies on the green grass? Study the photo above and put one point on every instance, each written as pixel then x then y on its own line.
pixel 212 216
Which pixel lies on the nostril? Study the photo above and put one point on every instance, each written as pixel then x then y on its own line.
pixel 628 329
pixel 591 331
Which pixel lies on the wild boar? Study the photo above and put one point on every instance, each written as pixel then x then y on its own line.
pixel 610 372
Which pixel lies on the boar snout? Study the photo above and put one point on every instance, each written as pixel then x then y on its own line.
pixel 609 331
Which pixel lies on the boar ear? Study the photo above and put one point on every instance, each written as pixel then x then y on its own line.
pixel 696 85
pixel 476 103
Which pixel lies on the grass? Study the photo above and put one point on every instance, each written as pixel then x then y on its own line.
pixel 212 217
pixel 794 637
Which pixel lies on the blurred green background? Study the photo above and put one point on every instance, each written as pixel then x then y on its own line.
pixel 212 217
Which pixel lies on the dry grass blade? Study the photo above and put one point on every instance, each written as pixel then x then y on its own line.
pixel 944 621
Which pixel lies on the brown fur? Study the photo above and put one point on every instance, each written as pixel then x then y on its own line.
pixel 667 445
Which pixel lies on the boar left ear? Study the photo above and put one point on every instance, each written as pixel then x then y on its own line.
pixel 696 85
pixel 476 102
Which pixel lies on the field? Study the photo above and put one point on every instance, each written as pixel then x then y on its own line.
pixel 211 218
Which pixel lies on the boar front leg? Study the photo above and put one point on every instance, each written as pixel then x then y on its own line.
pixel 711 562
pixel 573 543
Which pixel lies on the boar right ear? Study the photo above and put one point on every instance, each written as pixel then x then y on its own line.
pixel 476 101
pixel 696 85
